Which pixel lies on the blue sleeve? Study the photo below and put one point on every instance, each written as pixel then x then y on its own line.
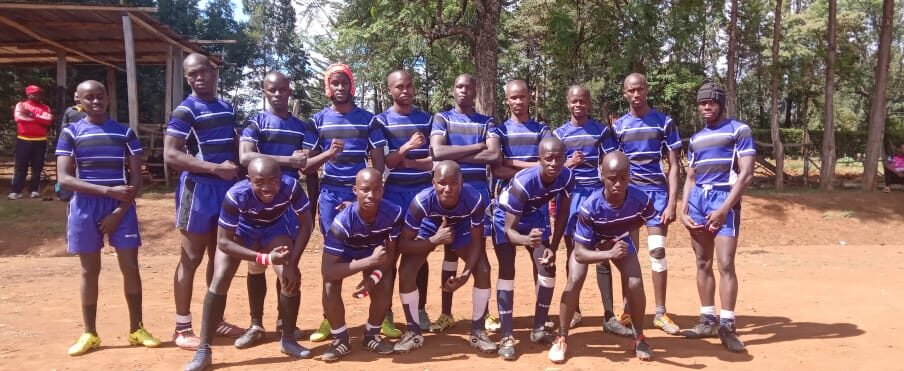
pixel 229 212
pixel 493 129
pixel 415 214
pixel 180 123
pixel 608 143
pixel 338 228
pixel 672 138
pixel 438 125
pixel 252 132
pixel 583 231
pixel 744 141
pixel 569 186
pixel 513 198
pixel 375 134
pixel 66 143
pixel 300 201
pixel 397 226
pixel 544 131
pixel 478 214
pixel 311 133
pixel 133 144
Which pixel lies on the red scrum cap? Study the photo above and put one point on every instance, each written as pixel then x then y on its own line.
pixel 338 68
pixel 33 89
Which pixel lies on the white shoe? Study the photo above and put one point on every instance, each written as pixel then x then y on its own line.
pixel 558 350
pixel 14 196
pixel 576 320
pixel 35 195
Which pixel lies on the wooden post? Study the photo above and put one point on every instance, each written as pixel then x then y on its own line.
pixel 805 153
pixel 168 89
pixel 61 81
pixel 178 79
pixel 131 76
pixel 111 92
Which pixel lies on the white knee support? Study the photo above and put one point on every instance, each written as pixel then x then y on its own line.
pixel 549 282
pixel 450 266
pixel 254 268
pixel 657 242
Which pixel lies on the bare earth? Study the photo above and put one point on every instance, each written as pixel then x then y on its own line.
pixel 821 276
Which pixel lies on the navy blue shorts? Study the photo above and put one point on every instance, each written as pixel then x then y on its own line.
pixel 198 202
pixel 702 202
pixel 462 232
pixel 536 219
pixel 402 195
pixel 577 197
pixel 257 238
pixel 83 226
pixel 330 198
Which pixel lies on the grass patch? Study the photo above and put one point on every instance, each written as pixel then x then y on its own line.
pixel 14 211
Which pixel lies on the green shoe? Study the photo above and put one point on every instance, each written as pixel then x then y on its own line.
pixel 388 328
pixel 84 343
pixel 322 333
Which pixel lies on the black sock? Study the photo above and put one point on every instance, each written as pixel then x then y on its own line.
pixel 604 284
pixel 134 303
pixel 289 314
pixel 257 293
pixel 89 315
pixel 422 276
pixel 214 306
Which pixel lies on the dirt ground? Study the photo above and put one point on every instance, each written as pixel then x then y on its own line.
pixel 821 281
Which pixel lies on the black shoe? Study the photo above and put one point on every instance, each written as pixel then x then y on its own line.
pixel 251 336
pixel 613 326
pixel 729 337
pixel 299 335
pixel 377 344
pixel 336 350
pixel 203 359
pixel 706 328
pixel 291 348
pixel 507 348
pixel 541 336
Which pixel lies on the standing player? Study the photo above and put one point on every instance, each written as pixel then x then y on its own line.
pixel 93 156
pixel 451 214
pixel 468 138
pixel 362 238
pixel 340 138
pixel 526 222
pixel 265 219
pixel 208 170
pixel 277 134
pixel 602 233
pixel 720 167
pixel 406 129
pixel 586 140
pixel 643 135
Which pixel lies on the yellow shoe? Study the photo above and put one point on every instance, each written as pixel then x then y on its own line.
pixel 625 319
pixel 666 324
pixel 492 324
pixel 322 333
pixel 144 338
pixel 389 330
pixel 442 323
pixel 84 343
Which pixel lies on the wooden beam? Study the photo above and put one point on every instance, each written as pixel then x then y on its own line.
pixel 61 80
pixel 131 74
pixel 111 92
pixel 213 41
pixel 168 86
pixel 93 42
pixel 159 34
pixel 52 43
pixel 113 55
pixel 102 8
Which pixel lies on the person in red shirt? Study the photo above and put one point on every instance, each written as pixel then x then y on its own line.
pixel 894 169
pixel 33 119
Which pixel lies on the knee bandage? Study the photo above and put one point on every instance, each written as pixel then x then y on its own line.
pixel 657 242
pixel 544 281
pixel 254 268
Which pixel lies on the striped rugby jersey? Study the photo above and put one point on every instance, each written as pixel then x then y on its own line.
pixel 526 193
pixel 398 129
pixel 471 208
pixel 356 130
pixel 460 129
pixel 349 231
pixel 643 140
pixel 275 136
pixel 598 221
pixel 595 140
pixel 99 150
pixel 208 127
pixel 241 205
pixel 521 141
pixel 713 150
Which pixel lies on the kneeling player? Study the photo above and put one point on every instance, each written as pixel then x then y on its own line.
pixel 256 224
pixel 362 238
pixel 602 233
pixel 449 213
pixel 525 222
pixel 103 204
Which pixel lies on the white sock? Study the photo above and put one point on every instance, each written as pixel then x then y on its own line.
pixel 480 298
pixel 711 310
pixel 727 314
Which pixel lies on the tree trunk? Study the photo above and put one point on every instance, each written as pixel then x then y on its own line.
pixel 877 108
pixel 778 150
pixel 730 83
pixel 485 52
pixel 827 157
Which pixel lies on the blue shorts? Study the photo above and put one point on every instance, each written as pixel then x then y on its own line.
pixel 577 198
pixel 257 238
pixel 702 202
pixel 330 198
pixel 462 232
pixel 536 219
pixel 402 195
pixel 487 217
pixel 660 199
pixel 198 202
pixel 83 226
pixel 346 253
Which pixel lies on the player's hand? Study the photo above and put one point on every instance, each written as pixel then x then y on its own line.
pixel 110 222
pixel 619 250
pixel 454 282
pixel 342 205
pixel 290 278
pixel 576 159
pixel 379 257
pixel 122 193
pixel 336 147
pixel 668 216
pixel 363 289
pixel 279 255
pixel 298 159
pixel 548 259
pixel 715 220
pixel 444 234
pixel 417 140
pixel 227 170
pixel 689 222
pixel 535 238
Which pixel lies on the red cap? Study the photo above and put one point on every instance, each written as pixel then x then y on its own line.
pixel 339 68
pixel 33 89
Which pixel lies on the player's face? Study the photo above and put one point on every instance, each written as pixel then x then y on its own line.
pixel 341 87
pixel 518 99
pixel 615 181
pixel 552 162
pixel 264 187
pixel 636 93
pixel 201 77
pixel 277 94
pixel 94 100
pixel 579 104
pixel 464 92
pixel 401 89
pixel 448 188
pixel 368 193
pixel 709 110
